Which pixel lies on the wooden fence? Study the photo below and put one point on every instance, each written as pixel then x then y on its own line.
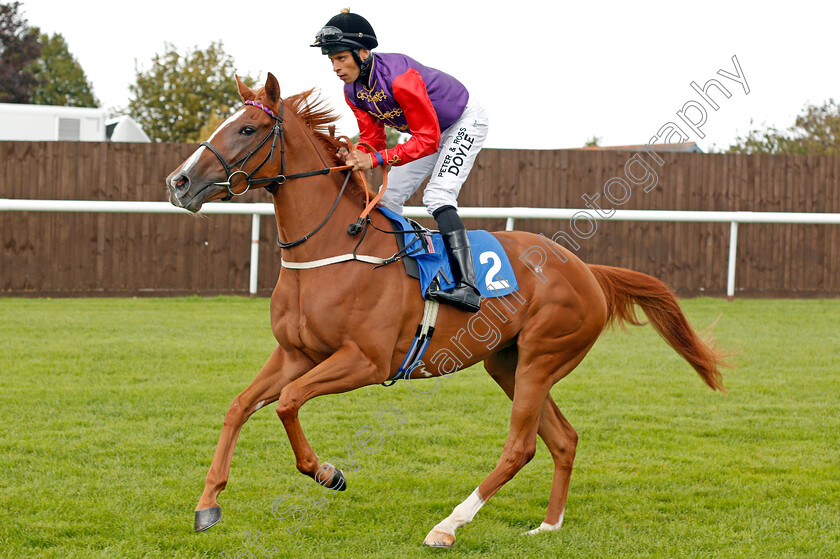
pixel 130 254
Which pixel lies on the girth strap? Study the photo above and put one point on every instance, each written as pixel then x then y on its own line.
pixel 414 357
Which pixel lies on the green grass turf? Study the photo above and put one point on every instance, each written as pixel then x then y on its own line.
pixel 111 409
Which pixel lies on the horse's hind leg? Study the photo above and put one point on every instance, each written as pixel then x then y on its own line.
pixel 534 378
pixel 264 389
pixel 561 440
pixel 557 434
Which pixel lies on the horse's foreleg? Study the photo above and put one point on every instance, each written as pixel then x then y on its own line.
pixel 264 389
pixel 347 369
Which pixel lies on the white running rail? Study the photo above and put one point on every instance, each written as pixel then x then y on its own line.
pixel 509 214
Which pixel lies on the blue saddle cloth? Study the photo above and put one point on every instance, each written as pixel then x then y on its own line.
pixel 493 271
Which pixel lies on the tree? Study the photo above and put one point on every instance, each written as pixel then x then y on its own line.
pixel 594 141
pixel 816 131
pixel 61 80
pixel 174 98
pixel 18 49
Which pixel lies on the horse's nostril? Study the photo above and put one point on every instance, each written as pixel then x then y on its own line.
pixel 180 182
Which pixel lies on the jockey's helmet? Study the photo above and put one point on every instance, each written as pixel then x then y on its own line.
pixel 345 31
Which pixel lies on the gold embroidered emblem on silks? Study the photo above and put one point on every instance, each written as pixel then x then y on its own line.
pixel 370 96
pixel 387 117
pixel 390 115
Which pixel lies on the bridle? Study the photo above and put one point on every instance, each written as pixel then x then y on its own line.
pixel 275 133
pixel 273 183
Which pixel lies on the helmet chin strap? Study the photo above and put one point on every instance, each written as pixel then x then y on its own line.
pixel 364 66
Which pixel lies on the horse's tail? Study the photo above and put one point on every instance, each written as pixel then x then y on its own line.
pixel 623 288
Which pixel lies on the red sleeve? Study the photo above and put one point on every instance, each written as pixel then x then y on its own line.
pixel 410 93
pixel 371 130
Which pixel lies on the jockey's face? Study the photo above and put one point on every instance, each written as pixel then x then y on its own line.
pixel 345 66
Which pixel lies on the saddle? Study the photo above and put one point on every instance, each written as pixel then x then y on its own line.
pixel 424 256
pixel 423 235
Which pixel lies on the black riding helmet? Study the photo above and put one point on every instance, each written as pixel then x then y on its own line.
pixel 346 31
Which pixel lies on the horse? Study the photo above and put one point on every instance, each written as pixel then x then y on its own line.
pixel 336 336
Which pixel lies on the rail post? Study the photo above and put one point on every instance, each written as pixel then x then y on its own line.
pixel 255 253
pixel 733 258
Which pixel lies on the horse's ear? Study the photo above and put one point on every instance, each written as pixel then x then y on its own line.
pixel 244 91
pixel 272 90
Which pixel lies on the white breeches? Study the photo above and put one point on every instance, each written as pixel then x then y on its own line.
pixel 449 167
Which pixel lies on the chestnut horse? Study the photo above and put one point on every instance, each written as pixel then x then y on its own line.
pixel 334 336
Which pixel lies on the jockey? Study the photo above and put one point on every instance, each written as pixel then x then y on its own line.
pixel 447 130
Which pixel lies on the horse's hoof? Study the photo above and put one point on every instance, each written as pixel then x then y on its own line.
pixel 338 481
pixel 205 518
pixel 439 538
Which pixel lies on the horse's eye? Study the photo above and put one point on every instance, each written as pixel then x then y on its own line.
pixel 248 131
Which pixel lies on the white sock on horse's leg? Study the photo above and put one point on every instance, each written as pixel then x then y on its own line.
pixel 544 527
pixel 461 516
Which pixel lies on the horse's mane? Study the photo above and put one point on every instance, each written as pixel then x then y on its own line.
pixel 318 116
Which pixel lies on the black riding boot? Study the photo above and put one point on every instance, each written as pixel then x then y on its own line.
pixel 464 295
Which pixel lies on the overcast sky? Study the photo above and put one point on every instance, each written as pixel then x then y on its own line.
pixel 551 74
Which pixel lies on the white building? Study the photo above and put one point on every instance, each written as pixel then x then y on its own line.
pixel 21 122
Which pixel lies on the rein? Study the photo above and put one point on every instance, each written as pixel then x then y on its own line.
pixel 281 244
